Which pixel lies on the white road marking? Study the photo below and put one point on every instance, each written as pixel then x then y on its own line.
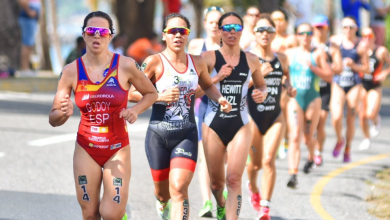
pixel 72 136
pixel 2 154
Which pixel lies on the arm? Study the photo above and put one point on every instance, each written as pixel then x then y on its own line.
pixel 62 107
pixel 260 91
pixel 337 59
pixel 225 71
pixel 292 92
pixel 365 4
pixel 385 58
pixel 322 69
pixel 364 64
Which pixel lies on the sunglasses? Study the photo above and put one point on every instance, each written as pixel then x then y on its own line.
pixel 230 27
pixel 349 26
pixel 268 29
pixel 307 33
pixel 321 27
pixel 278 19
pixel 213 8
pixel 175 30
pixel 370 36
pixel 254 15
pixel 92 31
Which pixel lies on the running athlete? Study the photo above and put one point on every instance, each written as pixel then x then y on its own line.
pixel 171 140
pixel 346 87
pixel 196 47
pixel 268 124
pixel 248 39
pixel 281 43
pixel 227 134
pixel 334 59
pixel 372 93
pixel 102 150
pixel 306 69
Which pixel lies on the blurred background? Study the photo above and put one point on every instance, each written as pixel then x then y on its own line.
pixel 41 36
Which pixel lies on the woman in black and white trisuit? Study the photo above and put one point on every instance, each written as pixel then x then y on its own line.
pixel 268 123
pixel 171 141
pixel 231 70
pixel 371 94
pixel 196 47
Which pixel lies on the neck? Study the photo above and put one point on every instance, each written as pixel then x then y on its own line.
pixel 372 45
pixel 306 47
pixel 98 59
pixel 321 39
pixel 281 34
pixel 175 56
pixel 213 40
pixel 352 38
pixel 227 50
pixel 265 51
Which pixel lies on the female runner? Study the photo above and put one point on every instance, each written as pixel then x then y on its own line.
pixel 346 87
pixel 196 47
pixel 372 93
pixel 306 69
pixel 102 150
pixel 268 124
pixel 171 141
pixel 231 70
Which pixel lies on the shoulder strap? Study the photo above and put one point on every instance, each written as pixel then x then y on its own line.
pixel 219 60
pixel 82 75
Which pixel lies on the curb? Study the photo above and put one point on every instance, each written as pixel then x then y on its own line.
pixel 30 84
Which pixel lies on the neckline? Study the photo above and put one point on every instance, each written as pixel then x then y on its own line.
pixel 239 58
pixel 108 74
pixel 174 67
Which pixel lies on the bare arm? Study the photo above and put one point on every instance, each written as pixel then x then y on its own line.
pixel 260 92
pixel 364 66
pixel 62 107
pixel 385 58
pixel 322 69
pixel 337 59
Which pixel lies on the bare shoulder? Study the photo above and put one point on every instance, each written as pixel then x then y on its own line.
pixel 127 63
pixel 198 59
pixel 195 44
pixel 209 57
pixel 282 56
pixel 335 39
pixel 251 57
pixel 69 71
pixel 382 52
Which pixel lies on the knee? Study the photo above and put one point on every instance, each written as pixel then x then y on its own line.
pixel 233 181
pixel 370 116
pixel 269 162
pixel 90 214
pixel 112 213
pixel 294 138
pixel 217 185
pixel 178 191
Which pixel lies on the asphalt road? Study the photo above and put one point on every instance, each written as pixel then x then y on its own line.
pixel 36 177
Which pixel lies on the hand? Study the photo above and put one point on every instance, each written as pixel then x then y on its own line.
pixel 129 115
pixel 258 96
pixel 381 77
pixel 225 71
pixel 347 61
pixel 225 105
pixel 32 13
pixel 170 95
pixel 266 68
pixel 292 92
pixel 66 106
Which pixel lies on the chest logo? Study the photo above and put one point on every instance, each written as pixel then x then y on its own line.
pixel 192 72
pixel 277 65
pixel 85 97
pixel 243 74
pixel 111 82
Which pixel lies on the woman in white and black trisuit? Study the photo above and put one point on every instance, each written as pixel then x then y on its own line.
pixel 268 123
pixel 171 142
pixel 371 94
pixel 231 70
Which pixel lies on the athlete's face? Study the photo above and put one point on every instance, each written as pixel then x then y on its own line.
pixel 280 21
pixel 252 16
pixel 320 30
pixel 368 36
pixel 231 38
pixel 176 41
pixel 349 27
pixel 264 37
pixel 304 34
pixel 97 43
pixel 211 23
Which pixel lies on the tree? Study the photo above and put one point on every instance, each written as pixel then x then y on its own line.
pixel 135 18
pixel 198 7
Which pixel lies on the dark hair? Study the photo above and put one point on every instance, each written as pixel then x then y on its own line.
pixel 308 24
pixel 283 12
pixel 101 15
pixel 268 18
pixel 151 35
pixel 175 15
pixel 227 15
pixel 79 40
pixel 352 18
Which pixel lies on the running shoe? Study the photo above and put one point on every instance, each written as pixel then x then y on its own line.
pixel 254 198
pixel 347 157
pixel 374 130
pixel 308 166
pixel 206 211
pixel 366 144
pixel 318 160
pixel 293 182
pixel 338 147
pixel 221 213
pixel 248 160
pixel 163 209
pixel 124 217
pixel 264 214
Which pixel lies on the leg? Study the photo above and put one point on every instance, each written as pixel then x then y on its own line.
pixel 353 99
pixel 374 98
pixel 321 133
pixel 179 180
pixel 271 143
pixel 295 124
pixel 88 179
pixel 337 102
pixel 116 180
pixel 312 117
pixel 203 175
pixel 255 153
pixel 239 147
pixel 25 57
pixel 215 152
pixel 363 114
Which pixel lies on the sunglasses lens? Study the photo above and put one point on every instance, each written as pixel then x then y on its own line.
pixel 230 27
pixel 182 31
pixel 92 31
pixel 308 33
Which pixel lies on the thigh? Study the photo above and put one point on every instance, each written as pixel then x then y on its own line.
pixel 363 103
pixel 295 119
pixel 185 154
pixel 238 150
pixel 337 101
pixel 353 97
pixel 373 99
pixel 215 152
pixel 116 179
pixel 257 144
pixel 312 117
pixel 88 179
pixel 273 137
